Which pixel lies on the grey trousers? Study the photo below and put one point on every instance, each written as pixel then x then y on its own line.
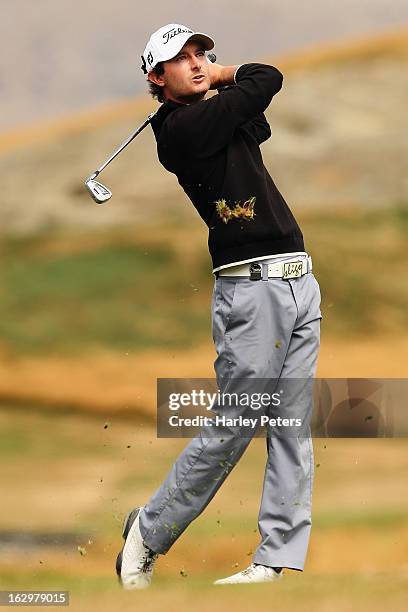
pixel 262 330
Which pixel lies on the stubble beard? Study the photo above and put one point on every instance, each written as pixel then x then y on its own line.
pixel 192 98
pixel 189 98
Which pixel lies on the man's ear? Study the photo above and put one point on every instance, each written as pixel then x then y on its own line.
pixel 158 80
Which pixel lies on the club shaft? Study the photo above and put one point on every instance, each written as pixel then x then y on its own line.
pixel 123 145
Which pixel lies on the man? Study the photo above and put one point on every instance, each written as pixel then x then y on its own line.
pixel 265 307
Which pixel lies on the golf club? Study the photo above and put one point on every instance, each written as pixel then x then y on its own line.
pixel 99 192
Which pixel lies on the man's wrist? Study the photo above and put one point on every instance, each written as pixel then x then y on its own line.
pixel 227 75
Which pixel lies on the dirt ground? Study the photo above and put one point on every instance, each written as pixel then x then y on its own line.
pixel 112 383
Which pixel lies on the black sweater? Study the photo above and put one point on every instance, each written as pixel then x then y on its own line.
pixel 212 146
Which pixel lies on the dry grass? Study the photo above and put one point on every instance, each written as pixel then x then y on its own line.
pixel 357 554
pixel 111 383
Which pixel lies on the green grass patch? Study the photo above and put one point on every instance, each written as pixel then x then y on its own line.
pixel 298 591
pixel 360 259
pixel 371 518
pixel 129 293
pixel 43 578
pixel 44 435
pixel 121 296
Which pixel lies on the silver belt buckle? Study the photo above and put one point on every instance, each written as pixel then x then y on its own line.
pixel 292 269
pixel 255 271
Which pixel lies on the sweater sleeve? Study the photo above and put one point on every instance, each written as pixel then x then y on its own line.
pixel 203 128
pixel 259 127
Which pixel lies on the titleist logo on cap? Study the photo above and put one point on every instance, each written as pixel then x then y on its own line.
pixel 167 41
pixel 173 32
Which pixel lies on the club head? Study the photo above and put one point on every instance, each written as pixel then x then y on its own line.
pixel 99 192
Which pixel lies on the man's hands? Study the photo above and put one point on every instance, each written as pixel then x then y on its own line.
pixel 221 75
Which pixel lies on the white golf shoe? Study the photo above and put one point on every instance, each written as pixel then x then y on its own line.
pixel 253 573
pixel 135 562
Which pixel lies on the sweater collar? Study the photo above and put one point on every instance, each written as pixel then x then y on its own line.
pixel 164 111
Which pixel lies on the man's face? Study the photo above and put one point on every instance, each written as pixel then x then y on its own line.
pixel 186 76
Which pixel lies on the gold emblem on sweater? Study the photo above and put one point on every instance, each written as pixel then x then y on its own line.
pixel 240 211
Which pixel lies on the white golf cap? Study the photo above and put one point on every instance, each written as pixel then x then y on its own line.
pixel 167 41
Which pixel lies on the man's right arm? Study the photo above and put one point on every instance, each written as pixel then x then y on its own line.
pixel 203 128
pixel 222 75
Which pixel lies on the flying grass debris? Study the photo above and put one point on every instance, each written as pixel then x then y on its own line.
pixel 240 211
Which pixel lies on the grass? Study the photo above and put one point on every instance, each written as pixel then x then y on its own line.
pixel 360 258
pixel 48 579
pixel 346 591
pixel 132 289
pixel 357 547
pixel 119 296
pixel 46 436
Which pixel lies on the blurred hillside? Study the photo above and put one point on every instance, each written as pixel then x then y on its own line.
pixel 57 60
pixel 337 141
pixel 113 296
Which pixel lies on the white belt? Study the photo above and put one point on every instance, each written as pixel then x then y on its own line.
pixel 259 270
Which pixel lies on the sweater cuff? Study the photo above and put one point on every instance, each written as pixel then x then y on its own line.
pixel 235 73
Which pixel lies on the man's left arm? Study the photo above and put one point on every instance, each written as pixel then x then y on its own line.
pixel 258 126
pixel 206 127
